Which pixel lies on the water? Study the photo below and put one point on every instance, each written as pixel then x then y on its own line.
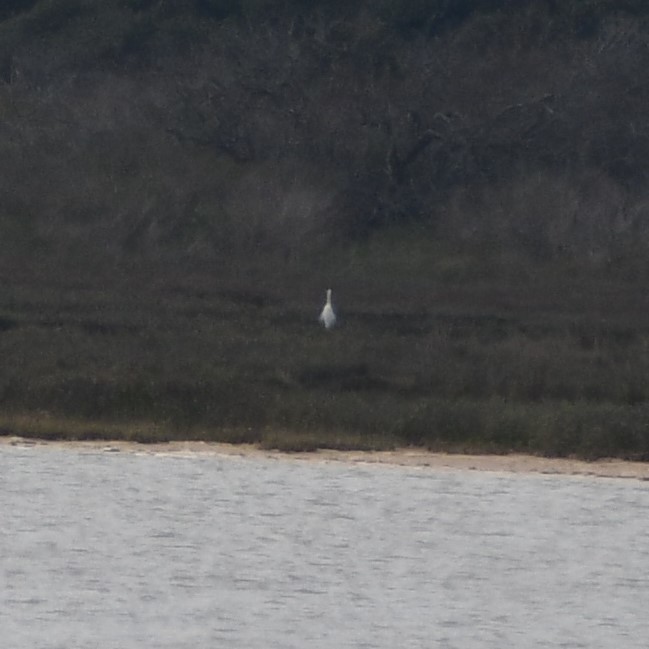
pixel 118 550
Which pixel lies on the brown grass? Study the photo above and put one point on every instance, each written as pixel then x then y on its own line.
pixel 529 362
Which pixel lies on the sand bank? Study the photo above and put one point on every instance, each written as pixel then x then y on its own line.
pixel 412 457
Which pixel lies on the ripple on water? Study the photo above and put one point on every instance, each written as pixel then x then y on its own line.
pixel 122 550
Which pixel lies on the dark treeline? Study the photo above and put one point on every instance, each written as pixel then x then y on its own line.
pixel 213 126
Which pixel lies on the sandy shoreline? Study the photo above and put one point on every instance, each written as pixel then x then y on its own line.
pixel 412 457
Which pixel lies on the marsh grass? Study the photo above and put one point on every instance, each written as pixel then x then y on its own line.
pixel 52 427
pixel 513 361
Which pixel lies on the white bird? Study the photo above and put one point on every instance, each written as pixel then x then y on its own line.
pixel 328 317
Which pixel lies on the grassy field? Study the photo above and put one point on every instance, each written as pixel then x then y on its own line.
pixel 456 352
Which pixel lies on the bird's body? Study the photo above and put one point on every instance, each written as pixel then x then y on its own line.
pixel 328 317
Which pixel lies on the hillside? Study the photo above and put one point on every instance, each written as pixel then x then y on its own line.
pixel 180 181
pixel 213 125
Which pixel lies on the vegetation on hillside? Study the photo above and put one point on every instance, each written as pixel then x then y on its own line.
pixel 181 180
pixel 210 125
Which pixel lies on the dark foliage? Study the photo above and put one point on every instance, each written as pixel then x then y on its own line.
pixel 218 125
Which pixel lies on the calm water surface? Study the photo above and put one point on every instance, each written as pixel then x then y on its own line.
pixel 124 551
